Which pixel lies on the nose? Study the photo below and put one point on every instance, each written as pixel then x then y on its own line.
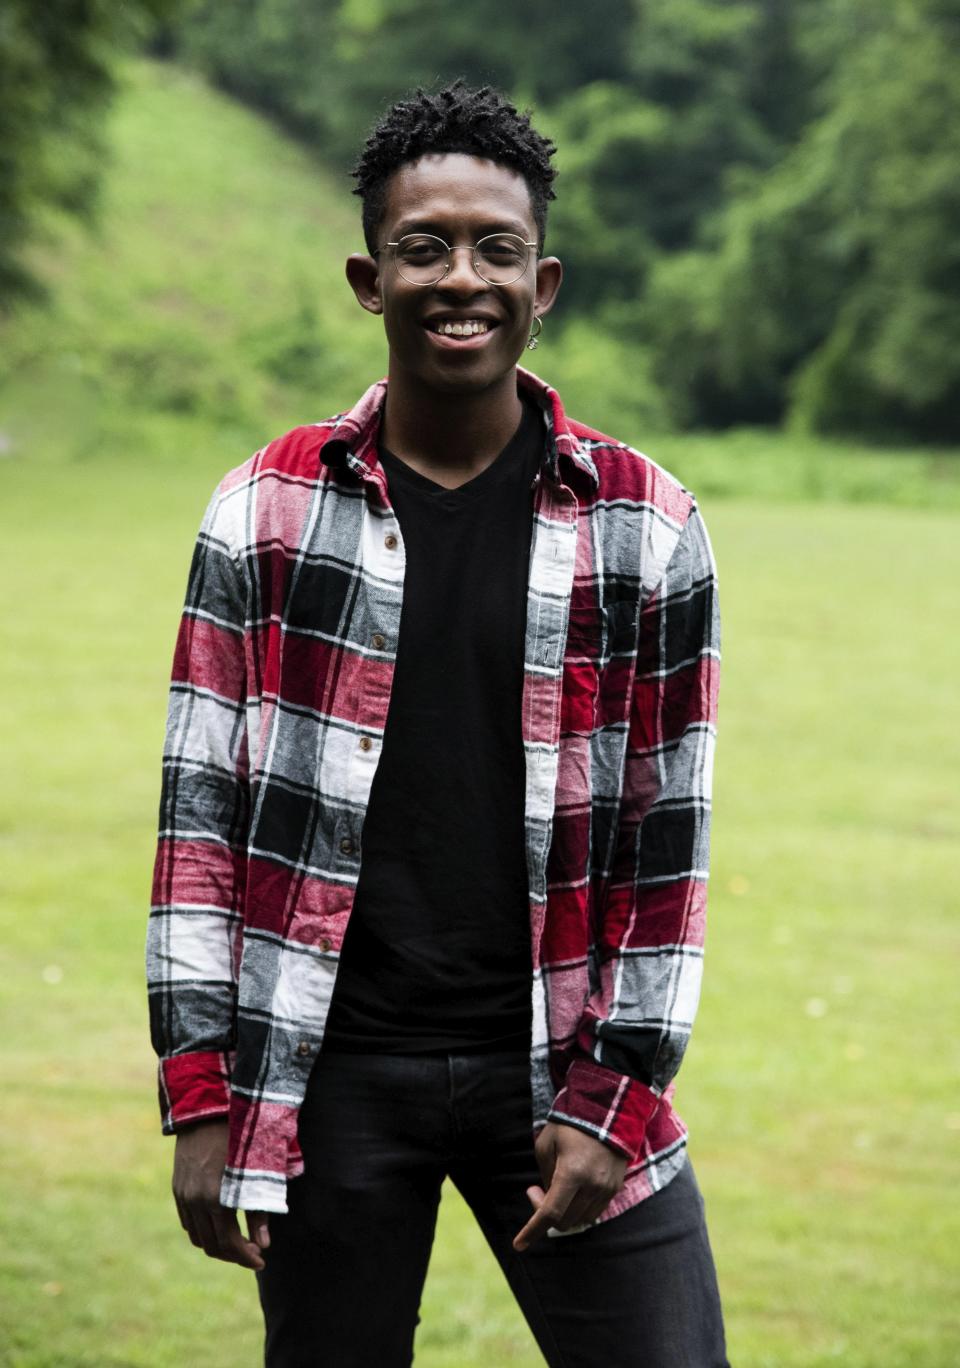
pixel 462 274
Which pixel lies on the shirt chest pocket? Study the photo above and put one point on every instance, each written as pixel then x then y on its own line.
pixel 598 664
pixel 597 634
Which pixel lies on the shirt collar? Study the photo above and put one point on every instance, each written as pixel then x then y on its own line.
pixel 353 439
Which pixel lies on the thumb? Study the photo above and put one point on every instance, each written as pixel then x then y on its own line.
pixel 258 1228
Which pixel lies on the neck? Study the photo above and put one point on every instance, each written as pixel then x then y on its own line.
pixel 459 433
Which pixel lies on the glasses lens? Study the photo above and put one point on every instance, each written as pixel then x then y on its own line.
pixel 501 258
pixel 421 259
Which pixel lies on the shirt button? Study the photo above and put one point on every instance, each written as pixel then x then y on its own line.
pixel 390 542
pixel 303 1048
pixel 365 743
pixel 378 641
pixel 346 845
pixel 325 942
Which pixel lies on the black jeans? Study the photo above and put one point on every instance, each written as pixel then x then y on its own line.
pixel 346 1265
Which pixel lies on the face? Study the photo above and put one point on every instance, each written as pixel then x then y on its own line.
pixel 461 199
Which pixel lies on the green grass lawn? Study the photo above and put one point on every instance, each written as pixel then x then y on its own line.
pixel 821 1082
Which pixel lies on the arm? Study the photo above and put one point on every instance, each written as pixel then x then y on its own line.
pixel 635 1027
pixel 193 935
pixel 200 869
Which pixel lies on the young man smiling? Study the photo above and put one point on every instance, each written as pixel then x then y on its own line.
pixel 430 888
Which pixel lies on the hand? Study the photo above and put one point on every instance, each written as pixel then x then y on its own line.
pixel 580 1175
pixel 198 1165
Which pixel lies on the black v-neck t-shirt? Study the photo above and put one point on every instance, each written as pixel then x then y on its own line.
pixel 437 951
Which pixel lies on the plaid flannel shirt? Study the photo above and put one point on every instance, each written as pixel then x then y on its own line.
pixel 278 702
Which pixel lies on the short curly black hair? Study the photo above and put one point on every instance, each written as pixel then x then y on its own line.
pixel 459 118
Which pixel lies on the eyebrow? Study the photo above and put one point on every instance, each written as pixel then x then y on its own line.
pixel 438 227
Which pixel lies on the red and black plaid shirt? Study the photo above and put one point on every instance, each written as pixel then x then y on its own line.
pixel 278 703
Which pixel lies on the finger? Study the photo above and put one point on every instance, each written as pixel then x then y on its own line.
pixel 577 1213
pixel 538 1225
pixel 183 1211
pixel 207 1235
pixel 215 1228
pixel 549 1211
pixel 596 1210
pixel 523 1236
pixel 186 1220
pixel 258 1228
pixel 231 1245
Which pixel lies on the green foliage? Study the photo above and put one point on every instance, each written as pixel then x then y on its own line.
pixel 603 382
pixel 890 356
pixel 158 346
pixel 761 193
pixel 55 81
pixel 829 290
pixel 327 67
pixel 600 225
pixel 758 206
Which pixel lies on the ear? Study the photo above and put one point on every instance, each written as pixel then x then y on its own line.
pixel 549 276
pixel 363 274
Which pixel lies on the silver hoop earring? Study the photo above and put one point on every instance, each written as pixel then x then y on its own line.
pixel 532 339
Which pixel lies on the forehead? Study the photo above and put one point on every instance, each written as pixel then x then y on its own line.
pixel 460 190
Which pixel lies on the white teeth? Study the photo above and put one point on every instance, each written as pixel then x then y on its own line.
pixel 470 328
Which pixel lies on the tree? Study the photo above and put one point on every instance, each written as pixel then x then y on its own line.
pixel 55 82
pixel 326 67
pixel 830 288
pixel 645 159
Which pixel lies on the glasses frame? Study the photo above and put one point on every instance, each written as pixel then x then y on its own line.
pixel 475 249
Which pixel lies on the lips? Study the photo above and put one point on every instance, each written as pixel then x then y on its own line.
pixel 470 327
pixel 460 333
pixel 460 325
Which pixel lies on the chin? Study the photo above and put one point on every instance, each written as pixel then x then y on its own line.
pixel 463 384
pixel 468 379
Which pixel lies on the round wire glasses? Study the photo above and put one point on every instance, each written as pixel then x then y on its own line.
pixel 422 259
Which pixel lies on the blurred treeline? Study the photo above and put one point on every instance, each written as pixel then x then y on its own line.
pixel 758 202
pixel 56 77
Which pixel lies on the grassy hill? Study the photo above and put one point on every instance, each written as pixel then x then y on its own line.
pixel 210 297
pixel 820 1084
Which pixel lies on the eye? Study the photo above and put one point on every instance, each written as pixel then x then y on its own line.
pixel 502 250
pixel 421 250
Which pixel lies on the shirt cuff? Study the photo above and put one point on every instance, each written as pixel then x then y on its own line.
pixel 193 1087
pixel 610 1106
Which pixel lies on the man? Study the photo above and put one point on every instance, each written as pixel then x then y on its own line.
pixel 430 888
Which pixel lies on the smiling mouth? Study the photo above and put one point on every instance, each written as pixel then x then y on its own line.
pixel 465 327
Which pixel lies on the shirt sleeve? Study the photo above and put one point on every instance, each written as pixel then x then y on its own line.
pixel 193 936
pixel 635 1027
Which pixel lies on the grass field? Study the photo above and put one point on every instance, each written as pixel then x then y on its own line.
pixel 821 1082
